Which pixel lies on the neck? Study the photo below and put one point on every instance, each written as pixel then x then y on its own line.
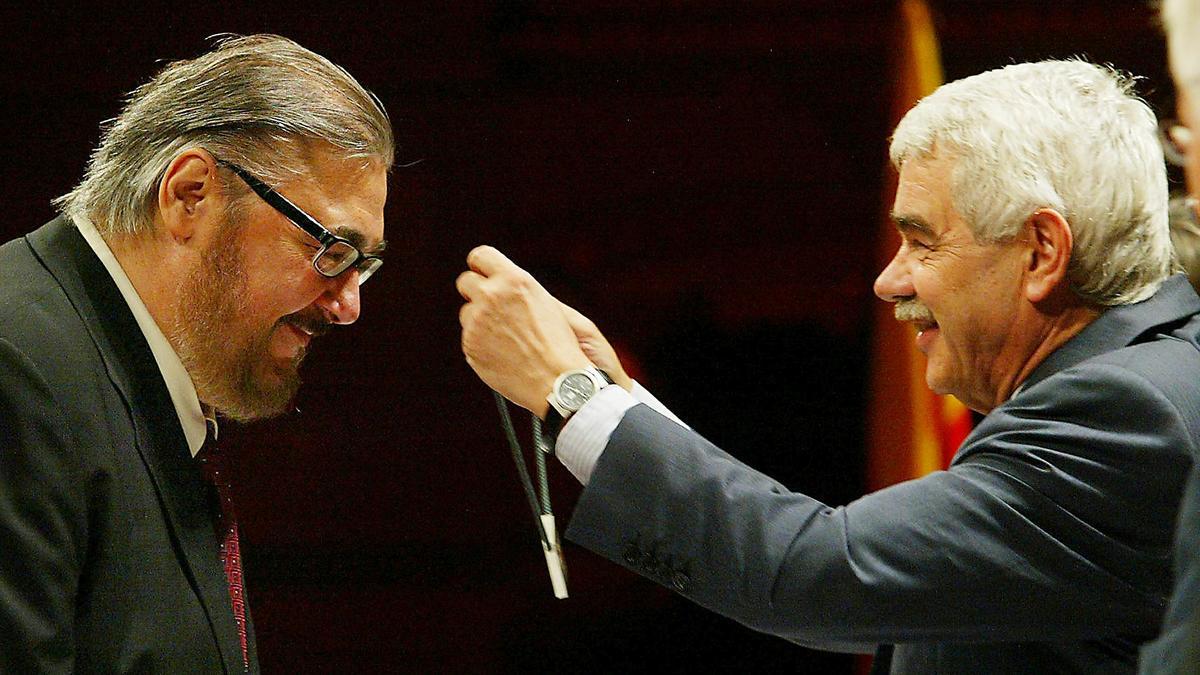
pixel 149 266
pixel 1053 332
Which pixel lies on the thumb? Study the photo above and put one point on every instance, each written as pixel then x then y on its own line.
pixel 580 324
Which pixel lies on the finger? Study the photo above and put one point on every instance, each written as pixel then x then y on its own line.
pixel 578 322
pixel 468 284
pixel 487 260
pixel 472 364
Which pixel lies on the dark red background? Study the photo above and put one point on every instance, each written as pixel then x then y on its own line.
pixel 702 178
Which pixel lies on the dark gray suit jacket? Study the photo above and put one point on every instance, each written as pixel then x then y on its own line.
pixel 1177 650
pixel 1045 547
pixel 108 558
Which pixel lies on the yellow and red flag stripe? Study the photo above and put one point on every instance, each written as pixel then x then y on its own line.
pixel 911 430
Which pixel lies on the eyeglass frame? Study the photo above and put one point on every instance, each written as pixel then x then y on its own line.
pixel 367 264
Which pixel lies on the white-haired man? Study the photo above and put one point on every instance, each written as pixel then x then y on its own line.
pixel 1036 266
pixel 185 278
pixel 1177 650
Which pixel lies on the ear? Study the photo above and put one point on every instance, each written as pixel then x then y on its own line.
pixel 189 196
pixel 1049 253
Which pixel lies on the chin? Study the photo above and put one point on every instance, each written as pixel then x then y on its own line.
pixel 938 383
pixel 267 390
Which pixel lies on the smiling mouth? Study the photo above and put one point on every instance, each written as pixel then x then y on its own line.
pixel 308 328
pixel 927 333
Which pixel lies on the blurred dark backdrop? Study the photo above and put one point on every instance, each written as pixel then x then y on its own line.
pixel 703 179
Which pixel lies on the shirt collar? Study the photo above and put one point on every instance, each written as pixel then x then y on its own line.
pixel 179 384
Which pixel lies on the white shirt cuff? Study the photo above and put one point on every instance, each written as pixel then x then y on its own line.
pixel 585 435
pixel 643 395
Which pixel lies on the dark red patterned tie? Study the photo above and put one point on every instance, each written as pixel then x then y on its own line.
pixel 213 465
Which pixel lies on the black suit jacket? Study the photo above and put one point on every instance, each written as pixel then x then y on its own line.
pixel 1045 547
pixel 109 558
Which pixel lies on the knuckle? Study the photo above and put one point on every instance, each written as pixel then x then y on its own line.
pixel 478 253
pixel 469 348
pixel 523 283
pixel 488 294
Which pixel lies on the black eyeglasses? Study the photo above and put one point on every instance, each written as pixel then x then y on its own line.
pixel 337 254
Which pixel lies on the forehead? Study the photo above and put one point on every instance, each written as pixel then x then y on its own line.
pixel 923 193
pixel 346 196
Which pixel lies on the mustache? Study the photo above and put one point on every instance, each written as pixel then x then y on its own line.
pixel 913 310
pixel 316 325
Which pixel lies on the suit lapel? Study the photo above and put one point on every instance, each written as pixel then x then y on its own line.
pixel 1122 326
pixel 161 444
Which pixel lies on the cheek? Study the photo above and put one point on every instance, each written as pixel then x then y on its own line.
pixel 961 318
pixel 925 282
pixel 1192 171
pixel 284 288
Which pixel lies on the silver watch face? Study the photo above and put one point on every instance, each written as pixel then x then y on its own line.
pixel 575 390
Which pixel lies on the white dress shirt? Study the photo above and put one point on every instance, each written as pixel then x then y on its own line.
pixel 179 383
pixel 586 433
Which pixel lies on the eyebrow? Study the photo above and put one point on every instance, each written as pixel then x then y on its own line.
pixel 360 242
pixel 913 224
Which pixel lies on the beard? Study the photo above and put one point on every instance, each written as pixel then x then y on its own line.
pixel 224 350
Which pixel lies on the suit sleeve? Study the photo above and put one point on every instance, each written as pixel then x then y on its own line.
pixel 43 529
pixel 1053 524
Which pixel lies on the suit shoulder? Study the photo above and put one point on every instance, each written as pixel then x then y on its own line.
pixel 1161 371
pixel 1166 367
pixel 48 343
pixel 36 316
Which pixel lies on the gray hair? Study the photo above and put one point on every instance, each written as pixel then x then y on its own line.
pixel 1181 19
pixel 1065 135
pixel 261 101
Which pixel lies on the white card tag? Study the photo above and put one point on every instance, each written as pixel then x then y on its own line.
pixel 554 558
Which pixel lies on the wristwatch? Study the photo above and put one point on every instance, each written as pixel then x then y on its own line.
pixel 570 391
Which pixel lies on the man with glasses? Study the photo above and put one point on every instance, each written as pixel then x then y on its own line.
pixel 229 215
pixel 1177 649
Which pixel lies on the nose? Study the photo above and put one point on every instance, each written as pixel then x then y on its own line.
pixel 341 301
pixel 894 283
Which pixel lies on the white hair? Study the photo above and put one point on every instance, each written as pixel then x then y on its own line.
pixel 260 101
pixel 1066 135
pixel 1181 18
